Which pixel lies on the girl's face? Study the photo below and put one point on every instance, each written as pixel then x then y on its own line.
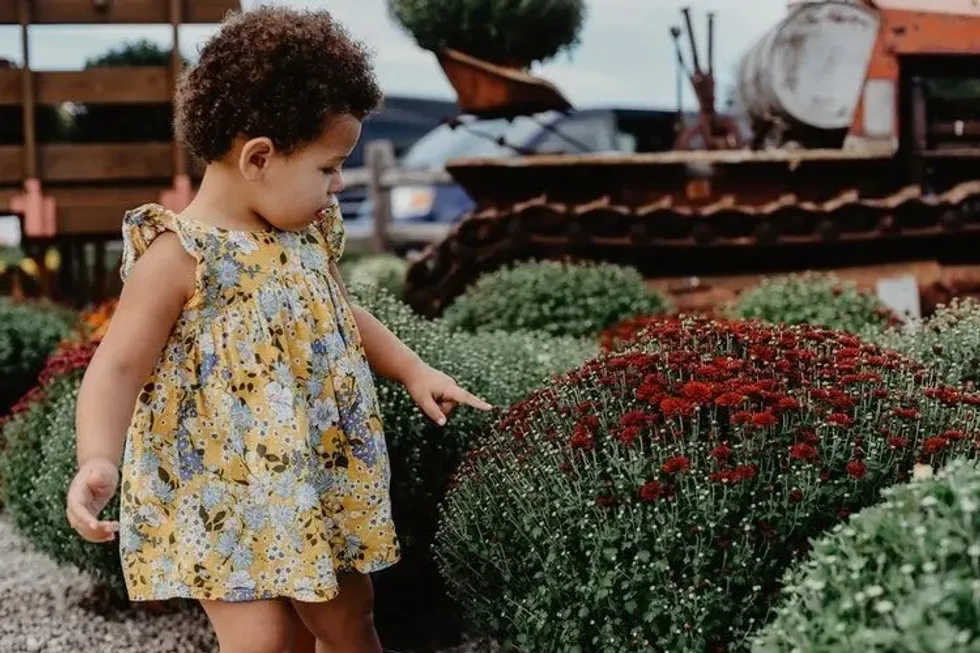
pixel 290 190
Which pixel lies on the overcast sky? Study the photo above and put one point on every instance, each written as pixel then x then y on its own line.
pixel 626 57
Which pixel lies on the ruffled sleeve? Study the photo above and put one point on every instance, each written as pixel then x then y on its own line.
pixel 141 226
pixel 331 226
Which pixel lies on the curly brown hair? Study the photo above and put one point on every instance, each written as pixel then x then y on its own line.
pixel 275 72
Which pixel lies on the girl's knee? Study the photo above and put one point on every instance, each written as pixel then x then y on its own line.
pixel 345 623
pixel 254 627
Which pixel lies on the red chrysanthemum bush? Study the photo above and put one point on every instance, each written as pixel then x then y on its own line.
pixel 652 499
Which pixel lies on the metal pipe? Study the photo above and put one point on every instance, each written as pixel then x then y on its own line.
pixel 711 43
pixel 690 35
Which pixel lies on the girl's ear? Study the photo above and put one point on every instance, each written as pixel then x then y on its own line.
pixel 255 157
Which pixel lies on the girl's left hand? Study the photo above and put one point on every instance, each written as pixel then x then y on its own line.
pixel 437 394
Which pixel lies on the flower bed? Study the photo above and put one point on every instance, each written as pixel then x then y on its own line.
pixel 557 298
pixel 948 343
pixel 901 576
pixel 813 298
pixel 29 332
pixel 652 499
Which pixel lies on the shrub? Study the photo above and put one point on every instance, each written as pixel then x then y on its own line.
pixel 558 298
pixel 29 332
pixel 900 576
pixel 508 32
pixel 385 270
pixel 812 298
pixel 39 463
pixel 499 367
pixel 652 499
pixel 948 342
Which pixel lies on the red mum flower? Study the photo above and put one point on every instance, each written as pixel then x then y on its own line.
pixel 788 403
pixel 730 399
pixel 629 435
pixel 897 442
pixel 721 452
pixel 795 495
pixel 907 413
pixel 651 491
pixel 840 419
pixel 676 406
pixel 934 445
pixel 856 468
pixel 802 451
pixel 697 392
pixel 764 419
pixel 676 465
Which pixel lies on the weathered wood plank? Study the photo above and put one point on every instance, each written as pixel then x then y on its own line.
pixel 131 85
pixel 68 162
pixel 91 210
pixel 74 12
pixel 11 164
pixel 135 85
pixel 95 162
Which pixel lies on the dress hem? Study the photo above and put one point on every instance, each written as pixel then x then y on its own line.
pixel 244 596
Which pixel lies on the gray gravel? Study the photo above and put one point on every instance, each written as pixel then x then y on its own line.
pixel 51 609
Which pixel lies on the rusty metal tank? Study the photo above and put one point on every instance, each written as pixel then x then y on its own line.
pixel 810 67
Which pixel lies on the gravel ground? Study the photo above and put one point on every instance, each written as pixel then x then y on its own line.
pixel 50 609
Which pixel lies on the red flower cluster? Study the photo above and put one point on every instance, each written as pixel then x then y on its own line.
pixel 63 362
pixel 730 403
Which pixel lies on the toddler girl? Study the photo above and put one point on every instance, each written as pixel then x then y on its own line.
pixel 255 473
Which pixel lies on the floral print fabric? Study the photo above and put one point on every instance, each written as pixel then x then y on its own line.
pixel 255 465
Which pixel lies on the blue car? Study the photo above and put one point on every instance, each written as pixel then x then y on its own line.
pixel 577 132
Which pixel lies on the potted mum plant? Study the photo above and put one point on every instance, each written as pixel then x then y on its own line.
pixel 486 47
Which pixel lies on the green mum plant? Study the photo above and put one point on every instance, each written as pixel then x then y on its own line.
pixel 948 342
pixel 652 499
pixel 507 32
pixel 29 332
pixel 817 299
pixel 385 270
pixel 39 463
pixel 902 576
pixel 501 368
pixel 558 298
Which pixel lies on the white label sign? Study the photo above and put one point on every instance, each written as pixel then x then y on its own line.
pixel 10 232
pixel 901 294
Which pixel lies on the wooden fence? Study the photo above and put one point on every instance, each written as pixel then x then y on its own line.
pixel 82 268
pixel 380 175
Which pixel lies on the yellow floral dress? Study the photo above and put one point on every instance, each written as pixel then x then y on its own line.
pixel 255 465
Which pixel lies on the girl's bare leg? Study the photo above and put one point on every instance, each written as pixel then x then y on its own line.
pixel 346 623
pixel 252 626
pixel 303 640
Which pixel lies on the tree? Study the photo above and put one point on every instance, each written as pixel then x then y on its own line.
pixel 113 123
pixel 506 32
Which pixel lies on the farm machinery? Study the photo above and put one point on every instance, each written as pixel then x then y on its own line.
pixel 860 157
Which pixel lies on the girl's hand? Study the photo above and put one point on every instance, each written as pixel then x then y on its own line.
pixel 89 492
pixel 437 394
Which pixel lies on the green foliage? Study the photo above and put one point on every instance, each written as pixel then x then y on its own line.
pixel 899 577
pixel 385 270
pixel 812 298
pixel 500 368
pixel 558 298
pixel 652 499
pixel 948 342
pixel 29 332
pixel 37 466
pixel 508 32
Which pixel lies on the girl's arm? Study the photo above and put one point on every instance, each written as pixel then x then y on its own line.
pixel 386 354
pixel 435 393
pixel 151 301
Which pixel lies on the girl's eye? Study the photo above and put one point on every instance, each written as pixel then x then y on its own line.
pixel 330 171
